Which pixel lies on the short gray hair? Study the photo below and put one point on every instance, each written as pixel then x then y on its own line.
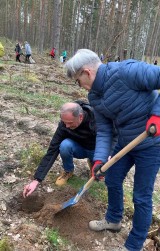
pixel 74 108
pixel 81 58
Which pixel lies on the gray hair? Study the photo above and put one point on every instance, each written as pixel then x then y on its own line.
pixel 81 58
pixel 74 108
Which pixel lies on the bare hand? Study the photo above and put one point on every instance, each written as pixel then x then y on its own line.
pixel 29 189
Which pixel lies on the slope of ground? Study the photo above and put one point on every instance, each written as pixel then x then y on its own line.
pixel 30 98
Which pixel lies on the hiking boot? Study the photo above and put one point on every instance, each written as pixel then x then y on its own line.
pixel 104 225
pixel 62 179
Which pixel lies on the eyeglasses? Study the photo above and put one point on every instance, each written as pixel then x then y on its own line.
pixel 77 81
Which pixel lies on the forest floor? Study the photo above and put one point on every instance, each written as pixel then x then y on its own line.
pixel 30 98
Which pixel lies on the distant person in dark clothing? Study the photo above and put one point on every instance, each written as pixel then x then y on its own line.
pixel 18 51
pixel 155 62
pixel 117 59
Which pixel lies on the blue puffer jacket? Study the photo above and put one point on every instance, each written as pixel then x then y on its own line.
pixel 125 94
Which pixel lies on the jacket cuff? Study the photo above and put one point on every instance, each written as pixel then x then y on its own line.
pixel 37 179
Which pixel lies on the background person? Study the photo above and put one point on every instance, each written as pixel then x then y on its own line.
pixel 64 55
pixel 101 57
pixel 1 50
pixel 155 62
pixel 18 50
pixel 74 138
pixel 52 53
pixel 28 51
pixel 124 94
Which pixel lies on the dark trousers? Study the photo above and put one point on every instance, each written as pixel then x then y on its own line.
pixel 18 58
pixel 27 58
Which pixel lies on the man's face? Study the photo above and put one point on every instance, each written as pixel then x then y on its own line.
pixel 70 121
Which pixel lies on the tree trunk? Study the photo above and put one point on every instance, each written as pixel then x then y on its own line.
pixel 73 26
pixel 99 22
pixel 42 25
pixel 56 25
pixel 91 26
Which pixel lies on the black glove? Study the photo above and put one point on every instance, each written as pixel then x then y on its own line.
pixel 96 170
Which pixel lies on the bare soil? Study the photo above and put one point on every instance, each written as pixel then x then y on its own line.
pixel 24 221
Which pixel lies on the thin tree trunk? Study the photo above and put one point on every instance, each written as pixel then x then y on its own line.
pixel 73 31
pixel 56 25
pixel 90 26
pixel 42 26
pixel 78 26
pixel 99 22
pixel 25 33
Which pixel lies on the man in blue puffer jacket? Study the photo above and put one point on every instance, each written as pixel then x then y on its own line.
pixel 123 93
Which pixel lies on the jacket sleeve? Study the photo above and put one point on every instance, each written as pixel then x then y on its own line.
pixel 141 76
pixel 104 136
pixel 51 155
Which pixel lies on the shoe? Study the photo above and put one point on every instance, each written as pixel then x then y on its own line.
pixel 63 178
pixel 104 225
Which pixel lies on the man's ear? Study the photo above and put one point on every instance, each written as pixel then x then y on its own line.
pixel 81 117
pixel 87 71
pixel 91 73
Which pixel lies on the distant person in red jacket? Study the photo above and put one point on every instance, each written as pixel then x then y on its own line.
pixel 52 53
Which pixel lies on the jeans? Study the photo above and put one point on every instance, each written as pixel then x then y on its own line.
pixel 147 163
pixel 70 149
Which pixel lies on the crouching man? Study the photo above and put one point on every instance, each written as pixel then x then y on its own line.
pixel 74 138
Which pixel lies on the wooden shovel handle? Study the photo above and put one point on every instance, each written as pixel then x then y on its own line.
pixel 124 151
pixel 121 153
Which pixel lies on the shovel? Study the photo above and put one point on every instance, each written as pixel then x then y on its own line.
pixel 106 166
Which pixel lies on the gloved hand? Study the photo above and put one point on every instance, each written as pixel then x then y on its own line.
pixel 97 167
pixel 153 121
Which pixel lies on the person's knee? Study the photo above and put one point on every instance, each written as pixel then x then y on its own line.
pixel 144 199
pixel 66 147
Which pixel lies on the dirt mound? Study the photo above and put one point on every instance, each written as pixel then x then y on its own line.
pixel 72 222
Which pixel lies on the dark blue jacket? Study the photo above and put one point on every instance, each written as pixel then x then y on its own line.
pixel 125 94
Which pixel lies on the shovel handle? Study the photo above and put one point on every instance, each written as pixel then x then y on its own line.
pixel 124 151
pixel 121 153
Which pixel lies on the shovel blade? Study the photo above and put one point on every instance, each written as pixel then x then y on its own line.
pixel 74 200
